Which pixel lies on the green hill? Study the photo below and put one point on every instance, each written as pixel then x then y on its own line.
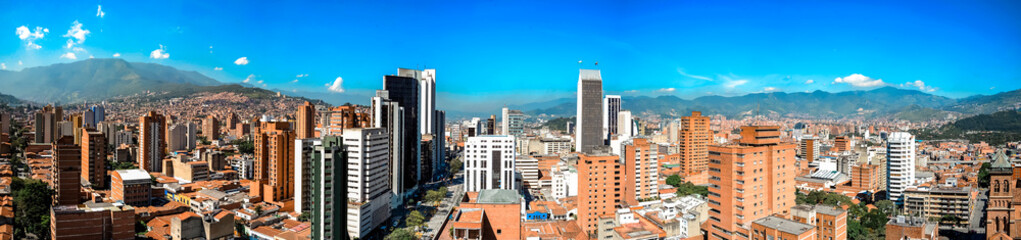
pixel 996 128
pixel 97 79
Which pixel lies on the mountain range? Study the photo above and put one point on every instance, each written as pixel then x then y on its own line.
pixel 906 104
pixel 101 79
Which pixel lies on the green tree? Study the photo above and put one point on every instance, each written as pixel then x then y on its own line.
pixel 401 234
pixel 455 166
pixel 415 219
pixel 244 146
pixel 32 200
pixel 688 188
pixel 204 141
pixel 434 196
pixel 983 175
pixel 886 207
pixel 674 180
pixel 305 217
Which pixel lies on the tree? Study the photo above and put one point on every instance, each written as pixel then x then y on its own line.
pixel 674 180
pixel 32 200
pixel 401 234
pixel 415 219
pixel 983 175
pixel 244 146
pixel 305 217
pixel 204 141
pixel 688 188
pixel 455 166
pixel 258 210
pixel 434 196
pixel 886 207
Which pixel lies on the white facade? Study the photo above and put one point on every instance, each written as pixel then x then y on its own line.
pixel 611 106
pixel 303 149
pixel 367 171
pixel 427 100
pixel 389 115
pixel 556 146
pixel 625 125
pixel 489 163
pixel 529 169
pixel 900 164
pixel 565 181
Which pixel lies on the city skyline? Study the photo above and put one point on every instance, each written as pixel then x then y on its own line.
pixel 686 49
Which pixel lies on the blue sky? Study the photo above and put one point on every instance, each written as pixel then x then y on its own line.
pixel 490 53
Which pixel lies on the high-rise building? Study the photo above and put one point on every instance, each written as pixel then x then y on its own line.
pixel 599 188
pixel 330 186
pixel 513 122
pixel 274 161
pixel 343 117
pixel 1002 209
pixel 367 160
pixel 611 106
pixel 641 169
pixel 93 161
pixel 47 121
pixel 590 109
pixel 67 171
pixel 900 165
pixel 809 149
pixel 694 147
pixel 842 144
pixel 152 145
pixel 749 180
pixel 440 141
pixel 304 161
pixel 489 163
pixel 232 121
pixel 404 89
pixel 625 125
pixel 182 136
pixel 491 125
pixel 427 99
pixel 74 126
pixel 305 124
pixel 389 115
pixel 211 128
pixel 5 122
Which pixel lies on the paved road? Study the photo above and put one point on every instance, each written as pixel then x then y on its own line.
pixel 455 191
pixel 978 212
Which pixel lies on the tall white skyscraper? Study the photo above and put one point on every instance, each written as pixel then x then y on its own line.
pixel 367 165
pixel 489 163
pixel 427 82
pixel 590 110
pixel 611 106
pixel 504 121
pixel 900 164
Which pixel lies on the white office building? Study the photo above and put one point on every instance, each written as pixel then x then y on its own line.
pixel 489 163
pixel 368 158
pixel 900 164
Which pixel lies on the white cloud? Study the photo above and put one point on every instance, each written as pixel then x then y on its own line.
pixel 294 81
pixel 19 63
pixel 241 61
pixel 259 82
pixel 76 35
pixel 249 78
pixel 769 89
pixel 116 54
pixel 991 88
pixel 666 90
pixel 734 83
pixel 263 85
pixel 29 36
pixel 160 53
pixel 810 81
pixel 302 75
pixel 69 55
pixel 681 71
pixel 99 11
pixel 217 69
pixel 920 85
pixel 3 66
pixel 336 87
pixel 858 80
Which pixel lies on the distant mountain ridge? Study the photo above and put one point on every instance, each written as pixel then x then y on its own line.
pixel 96 79
pixel 896 103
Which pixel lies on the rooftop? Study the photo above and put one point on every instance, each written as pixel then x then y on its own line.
pixel 503 196
pixel 784 225
pixel 133 174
